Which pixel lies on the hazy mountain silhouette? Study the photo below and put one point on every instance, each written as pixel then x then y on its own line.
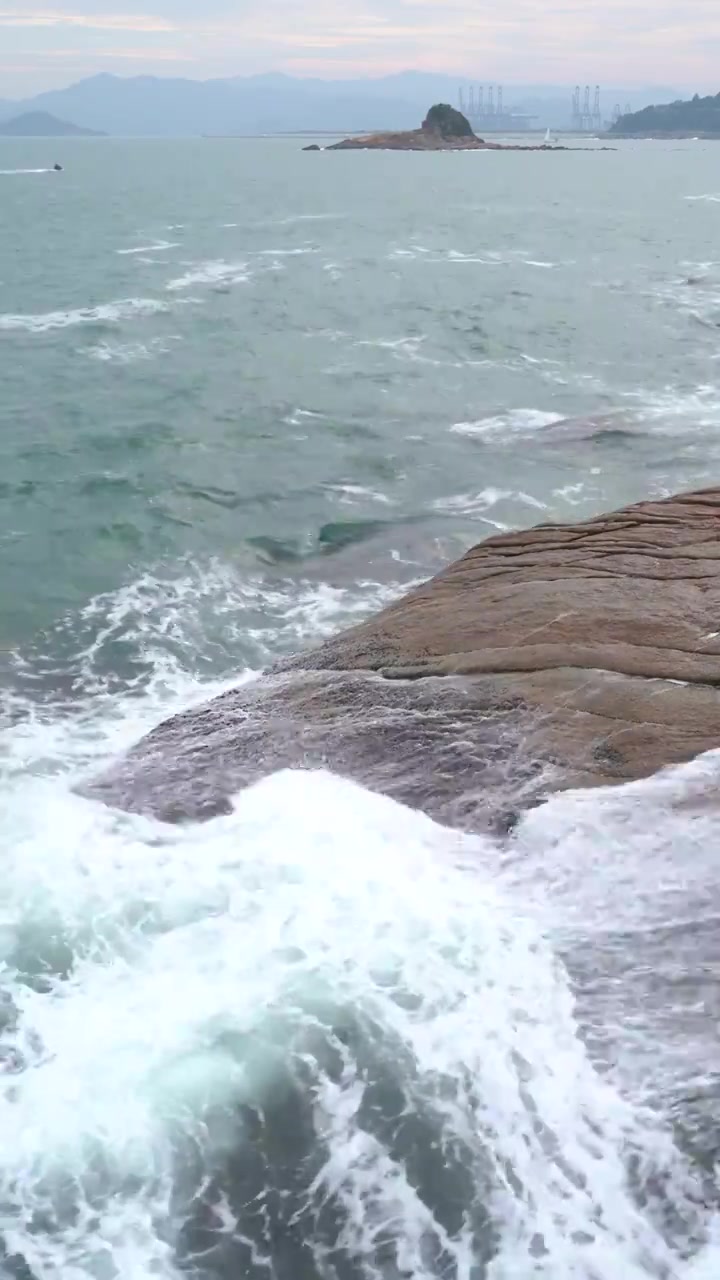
pixel 149 105
pixel 40 124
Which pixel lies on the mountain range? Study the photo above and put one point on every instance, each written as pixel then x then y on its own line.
pixel 165 107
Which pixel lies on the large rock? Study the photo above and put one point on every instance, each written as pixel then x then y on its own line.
pixel 413 140
pixel 447 122
pixel 558 656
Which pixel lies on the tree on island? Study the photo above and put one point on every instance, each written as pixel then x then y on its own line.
pixel 699 115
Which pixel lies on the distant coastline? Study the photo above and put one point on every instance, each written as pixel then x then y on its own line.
pixel 695 118
pixel 667 135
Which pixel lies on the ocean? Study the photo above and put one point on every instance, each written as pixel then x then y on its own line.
pixel 248 396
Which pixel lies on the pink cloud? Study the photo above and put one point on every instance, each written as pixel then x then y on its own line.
pixel 561 41
pixel 98 22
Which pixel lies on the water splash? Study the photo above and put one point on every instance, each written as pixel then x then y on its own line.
pixel 314 1037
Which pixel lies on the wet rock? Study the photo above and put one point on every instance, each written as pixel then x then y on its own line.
pixel 561 655
pixel 391 735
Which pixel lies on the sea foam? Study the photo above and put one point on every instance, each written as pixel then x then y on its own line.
pixel 106 313
pixel 322 969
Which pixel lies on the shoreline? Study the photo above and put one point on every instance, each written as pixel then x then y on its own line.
pixel 533 664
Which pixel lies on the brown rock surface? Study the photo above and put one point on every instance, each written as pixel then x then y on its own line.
pixel 418 140
pixel 560 655
pixel 443 129
pixel 410 140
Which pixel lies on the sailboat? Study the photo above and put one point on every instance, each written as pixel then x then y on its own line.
pixel 549 138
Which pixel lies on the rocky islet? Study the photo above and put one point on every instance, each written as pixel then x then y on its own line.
pixel 443 129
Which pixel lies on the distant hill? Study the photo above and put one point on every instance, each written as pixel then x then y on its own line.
pixel 166 107
pixel 171 107
pixel 696 116
pixel 40 124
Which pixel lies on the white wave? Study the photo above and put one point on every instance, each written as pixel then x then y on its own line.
pixel 106 313
pixel 573 494
pixel 710 199
pixel 131 352
pixel 486 259
pixel 166 620
pixel 215 272
pixel 479 503
pixel 516 421
pixel 675 409
pixel 298 417
pixel 9 173
pixel 313 897
pixel 412 251
pixel 647 871
pixel 285 253
pixel 203 962
pixel 539 360
pixel 352 493
pixel 160 247
pixel 406 344
pixel 645 888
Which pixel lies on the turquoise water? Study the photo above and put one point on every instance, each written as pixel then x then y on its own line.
pixel 219 348
pixel 248 395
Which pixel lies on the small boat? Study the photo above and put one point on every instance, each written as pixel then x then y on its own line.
pixel 58 168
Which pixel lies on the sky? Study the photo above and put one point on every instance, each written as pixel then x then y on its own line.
pixel 614 42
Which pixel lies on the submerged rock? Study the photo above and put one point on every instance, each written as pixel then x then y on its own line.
pixel 558 656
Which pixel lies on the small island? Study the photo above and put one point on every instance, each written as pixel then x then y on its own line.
pixel 443 129
pixel 696 118
pixel 40 124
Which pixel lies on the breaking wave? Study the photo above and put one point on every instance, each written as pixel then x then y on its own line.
pixel 321 1036
pixel 515 422
pixel 210 273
